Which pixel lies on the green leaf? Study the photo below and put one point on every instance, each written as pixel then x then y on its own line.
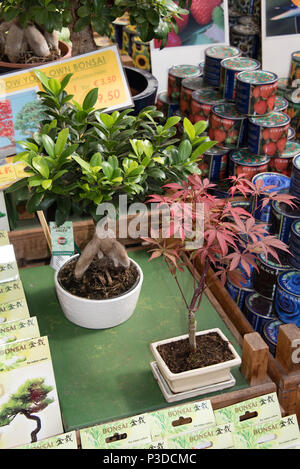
pixel 184 150
pixel 107 169
pixel 171 121
pixel 17 185
pixel 34 201
pixel 107 120
pixel 189 128
pixel 46 184
pixel 42 77
pixel 83 11
pixel 200 127
pixel 64 82
pixel 82 163
pixel 96 159
pixel 39 163
pixel 61 141
pixel 34 181
pixel 48 145
pixel 202 148
pixel 81 24
pixel 90 99
pixel 54 86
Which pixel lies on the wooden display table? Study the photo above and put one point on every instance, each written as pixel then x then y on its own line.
pixel 104 375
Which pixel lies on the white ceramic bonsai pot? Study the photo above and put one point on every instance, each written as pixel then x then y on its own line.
pixel 98 314
pixel 188 380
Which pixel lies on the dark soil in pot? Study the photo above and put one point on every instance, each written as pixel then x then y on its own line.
pixel 100 281
pixel 211 350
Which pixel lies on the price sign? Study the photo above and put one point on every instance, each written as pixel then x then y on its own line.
pixel 101 69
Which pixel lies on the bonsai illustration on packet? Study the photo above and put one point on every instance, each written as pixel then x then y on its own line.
pixel 29 406
pixel 64 441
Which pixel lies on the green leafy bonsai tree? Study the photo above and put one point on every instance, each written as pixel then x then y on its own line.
pixel 82 157
pixel 32 24
pixel 30 399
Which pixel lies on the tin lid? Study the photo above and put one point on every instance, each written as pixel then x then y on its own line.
pixel 291 133
pixel 185 71
pixel 280 103
pixel 285 209
pixel 245 158
pixel 228 111
pixel 207 96
pixel 296 227
pixel 245 29
pixel 259 305
pixel 271 261
pixel 217 151
pixel 222 51
pixel 245 204
pixel 296 56
pixel 248 19
pixel 292 149
pixel 240 63
pixel 274 119
pixel 122 20
pixel 293 96
pixel 163 96
pixel 279 181
pixel 290 282
pixel 271 329
pixel 257 77
pixel 234 13
pixel 192 83
pixel 296 162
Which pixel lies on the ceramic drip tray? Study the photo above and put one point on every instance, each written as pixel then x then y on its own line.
pixel 170 396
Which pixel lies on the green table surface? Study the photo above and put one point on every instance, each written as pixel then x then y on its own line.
pixel 103 375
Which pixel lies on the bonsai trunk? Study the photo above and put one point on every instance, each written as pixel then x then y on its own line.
pixel 38 425
pixel 83 41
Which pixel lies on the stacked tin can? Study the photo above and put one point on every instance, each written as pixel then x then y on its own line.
pixel 294 246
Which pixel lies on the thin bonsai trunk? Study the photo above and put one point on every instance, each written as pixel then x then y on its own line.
pixel 83 41
pixel 38 426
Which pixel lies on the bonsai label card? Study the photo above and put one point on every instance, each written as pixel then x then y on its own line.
pixel 62 239
pixel 29 406
pixel 127 433
pixel 251 412
pixel 4 238
pixel 19 330
pixel 11 291
pixel 176 420
pixel 64 441
pixel 276 434
pixel 14 310
pixel 8 265
pixel 216 437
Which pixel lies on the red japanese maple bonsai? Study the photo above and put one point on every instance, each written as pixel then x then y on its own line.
pixel 223 238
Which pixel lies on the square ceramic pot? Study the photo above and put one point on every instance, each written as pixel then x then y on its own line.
pixel 192 379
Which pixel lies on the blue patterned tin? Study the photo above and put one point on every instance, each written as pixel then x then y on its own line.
pixel 256 92
pixel 291 134
pixel 270 334
pixel 294 246
pixel 282 217
pixel 259 311
pixel 277 183
pixel 212 62
pixel 214 164
pixel 295 177
pixel 238 293
pixel 167 107
pixel 265 281
pixel 229 69
pixel 267 135
pixel 287 298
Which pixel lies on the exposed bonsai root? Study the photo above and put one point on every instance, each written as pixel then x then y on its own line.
pixel 52 41
pixel 102 246
pixel 14 45
pixel 37 41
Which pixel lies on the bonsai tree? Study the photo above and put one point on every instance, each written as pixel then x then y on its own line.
pixel 32 24
pixel 218 236
pixel 82 157
pixel 28 119
pixel 30 399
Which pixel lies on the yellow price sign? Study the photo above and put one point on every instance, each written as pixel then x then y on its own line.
pixel 100 69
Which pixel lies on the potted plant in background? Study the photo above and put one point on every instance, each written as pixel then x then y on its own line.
pixel 81 158
pixel 230 238
pixel 32 25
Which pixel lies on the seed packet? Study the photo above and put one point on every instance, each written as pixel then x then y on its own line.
pixel 64 441
pixel 282 433
pixel 8 265
pixel 251 412
pixel 126 433
pixel 171 421
pixel 29 406
pixel 215 437
pixel 4 238
pixel 19 330
pixel 14 310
